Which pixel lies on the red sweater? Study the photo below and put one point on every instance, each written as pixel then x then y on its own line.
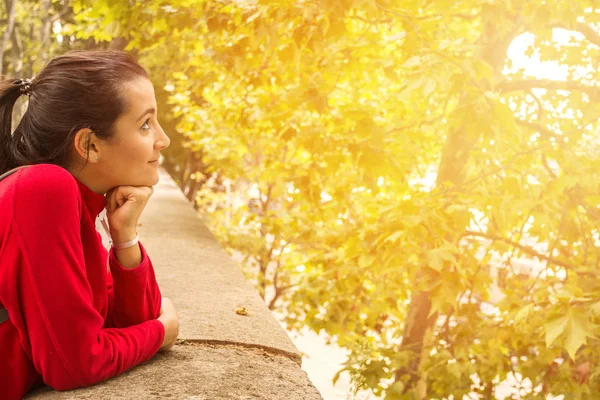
pixel 72 322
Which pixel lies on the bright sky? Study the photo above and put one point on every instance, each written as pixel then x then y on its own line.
pixel 532 65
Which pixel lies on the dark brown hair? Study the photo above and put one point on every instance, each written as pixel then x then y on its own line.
pixel 80 89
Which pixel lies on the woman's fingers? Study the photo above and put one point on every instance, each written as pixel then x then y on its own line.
pixel 125 204
pixel 111 203
pixel 122 197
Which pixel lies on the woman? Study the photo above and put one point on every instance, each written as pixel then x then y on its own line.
pixel 90 140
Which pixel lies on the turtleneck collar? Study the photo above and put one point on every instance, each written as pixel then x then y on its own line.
pixel 94 202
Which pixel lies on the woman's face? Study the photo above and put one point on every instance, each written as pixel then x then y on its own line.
pixel 131 156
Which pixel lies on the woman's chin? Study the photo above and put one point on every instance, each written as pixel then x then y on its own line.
pixel 154 180
pixel 147 181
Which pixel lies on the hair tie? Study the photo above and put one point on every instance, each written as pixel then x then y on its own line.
pixel 25 86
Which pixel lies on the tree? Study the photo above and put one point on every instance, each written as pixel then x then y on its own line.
pixel 28 40
pixel 28 36
pixel 382 168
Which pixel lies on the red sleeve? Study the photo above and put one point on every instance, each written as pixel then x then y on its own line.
pixel 133 295
pixel 70 348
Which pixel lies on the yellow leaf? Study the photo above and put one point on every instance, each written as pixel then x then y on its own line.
pixel 241 310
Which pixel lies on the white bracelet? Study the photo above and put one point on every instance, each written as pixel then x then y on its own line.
pixel 126 244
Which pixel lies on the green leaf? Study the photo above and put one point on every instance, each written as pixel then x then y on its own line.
pixel 456 370
pixel 573 329
pixel 436 257
pixel 412 62
pixel 338 374
pixel 394 237
pixel 395 391
pixel 428 87
pixel 523 314
pixel 554 329
pixel 595 308
pixel 578 330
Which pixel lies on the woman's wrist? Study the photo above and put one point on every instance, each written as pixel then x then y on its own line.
pixel 125 245
pixel 129 257
pixel 123 236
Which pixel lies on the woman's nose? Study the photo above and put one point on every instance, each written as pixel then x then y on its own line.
pixel 164 140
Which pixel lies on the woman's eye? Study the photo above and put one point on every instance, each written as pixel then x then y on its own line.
pixel 146 125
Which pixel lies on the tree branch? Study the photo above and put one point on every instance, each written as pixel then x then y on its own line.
pixel 525 249
pixel 280 290
pixel 541 111
pixel 578 197
pixel 63 12
pixel 586 30
pixel 547 166
pixel 396 13
pixel 528 84
pixel 466 16
pixel 277 291
pixel 540 128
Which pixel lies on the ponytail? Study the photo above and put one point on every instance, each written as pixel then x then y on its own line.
pixel 10 91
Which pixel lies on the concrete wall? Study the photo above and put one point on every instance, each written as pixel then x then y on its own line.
pixel 221 354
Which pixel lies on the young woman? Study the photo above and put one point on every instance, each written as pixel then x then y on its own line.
pixel 89 140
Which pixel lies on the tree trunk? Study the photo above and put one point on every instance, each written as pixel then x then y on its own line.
pixel 418 323
pixel 11 6
pixel 17 53
pixel 118 44
pixel 30 59
pixel 418 333
pixel 45 32
pixel 17 64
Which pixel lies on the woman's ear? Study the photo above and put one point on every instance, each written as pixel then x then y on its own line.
pixel 86 145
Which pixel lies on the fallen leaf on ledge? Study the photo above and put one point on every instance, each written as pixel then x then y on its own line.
pixel 241 310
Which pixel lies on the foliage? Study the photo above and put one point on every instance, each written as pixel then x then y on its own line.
pixel 391 176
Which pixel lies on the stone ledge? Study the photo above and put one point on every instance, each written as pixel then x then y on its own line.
pixel 199 276
pixel 221 355
pixel 203 372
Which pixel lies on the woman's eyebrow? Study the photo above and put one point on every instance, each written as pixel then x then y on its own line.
pixel 151 110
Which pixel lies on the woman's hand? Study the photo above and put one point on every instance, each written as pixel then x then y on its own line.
pixel 124 205
pixel 170 320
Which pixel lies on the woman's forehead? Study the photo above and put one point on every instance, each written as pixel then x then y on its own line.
pixel 139 97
